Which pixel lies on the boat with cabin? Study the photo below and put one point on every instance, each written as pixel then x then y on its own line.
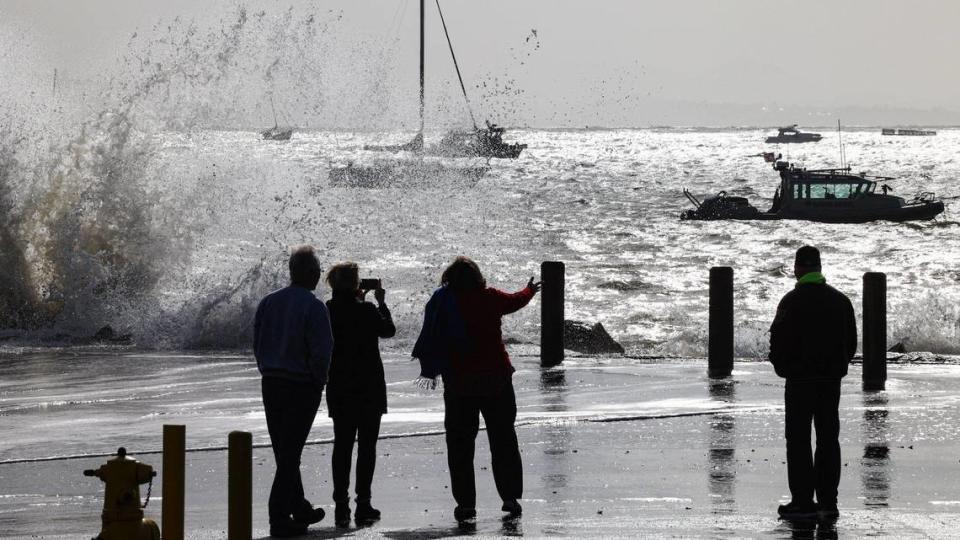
pixel 823 195
pixel 790 134
pixel 481 142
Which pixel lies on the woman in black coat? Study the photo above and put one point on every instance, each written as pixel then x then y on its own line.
pixel 356 390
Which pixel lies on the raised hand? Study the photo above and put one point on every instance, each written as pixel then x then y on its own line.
pixel 534 285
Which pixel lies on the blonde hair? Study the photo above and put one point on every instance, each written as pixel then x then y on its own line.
pixel 344 276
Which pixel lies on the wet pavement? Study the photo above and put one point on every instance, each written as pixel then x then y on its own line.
pixel 690 458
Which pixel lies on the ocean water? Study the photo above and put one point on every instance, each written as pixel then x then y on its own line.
pixel 172 237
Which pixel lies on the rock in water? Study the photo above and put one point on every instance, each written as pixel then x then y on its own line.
pixel 898 348
pixel 581 337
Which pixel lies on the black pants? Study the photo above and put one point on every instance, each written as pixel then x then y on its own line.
pixel 290 408
pixel 809 472
pixel 365 428
pixel 462 421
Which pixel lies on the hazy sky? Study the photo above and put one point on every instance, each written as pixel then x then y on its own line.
pixel 598 62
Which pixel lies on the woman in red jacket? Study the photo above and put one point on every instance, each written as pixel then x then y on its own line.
pixel 477 378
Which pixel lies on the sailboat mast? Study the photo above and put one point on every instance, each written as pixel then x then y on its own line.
pixel 274 109
pixel 422 14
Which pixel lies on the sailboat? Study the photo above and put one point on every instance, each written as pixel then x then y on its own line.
pixel 415 171
pixel 276 133
pixel 484 142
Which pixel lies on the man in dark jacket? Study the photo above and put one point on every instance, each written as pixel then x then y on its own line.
pixel 293 343
pixel 812 340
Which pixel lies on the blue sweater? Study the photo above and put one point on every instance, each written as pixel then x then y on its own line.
pixel 292 337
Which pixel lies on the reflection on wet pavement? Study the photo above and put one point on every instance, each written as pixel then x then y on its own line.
pixel 722 470
pixel 875 463
pixel 556 436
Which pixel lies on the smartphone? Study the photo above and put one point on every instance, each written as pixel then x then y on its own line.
pixel 369 284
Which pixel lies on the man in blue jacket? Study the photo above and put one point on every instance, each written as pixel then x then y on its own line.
pixel 812 340
pixel 293 343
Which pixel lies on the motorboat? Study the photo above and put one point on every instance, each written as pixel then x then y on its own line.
pixel 481 142
pixel 790 134
pixel 824 195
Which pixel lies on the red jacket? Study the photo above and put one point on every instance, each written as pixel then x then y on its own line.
pixel 485 365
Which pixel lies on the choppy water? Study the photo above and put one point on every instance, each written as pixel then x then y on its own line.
pixel 178 252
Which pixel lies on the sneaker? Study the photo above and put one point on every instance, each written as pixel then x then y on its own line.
pixel 287 529
pixel 365 512
pixel 309 517
pixel 512 507
pixel 795 510
pixel 464 514
pixel 827 511
pixel 341 515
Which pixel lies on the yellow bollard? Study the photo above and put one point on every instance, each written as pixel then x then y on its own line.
pixel 174 450
pixel 240 486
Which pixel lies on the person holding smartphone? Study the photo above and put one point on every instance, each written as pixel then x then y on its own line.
pixel 356 390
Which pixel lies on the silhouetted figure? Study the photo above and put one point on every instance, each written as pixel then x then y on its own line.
pixel 292 342
pixel 462 340
pixel 357 392
pixel 812 340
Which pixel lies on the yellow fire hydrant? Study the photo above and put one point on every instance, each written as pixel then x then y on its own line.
pixel 122 514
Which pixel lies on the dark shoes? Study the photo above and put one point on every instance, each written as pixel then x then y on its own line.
pixel 795 510
pixel 827 512
pixel 308 517
pixel 341 515
pixel 287 529
pixel 365 513
pixel 462 514
pixel 512 507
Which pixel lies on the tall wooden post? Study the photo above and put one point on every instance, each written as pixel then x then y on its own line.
pixel 720 337
pixel 551 313
pixel 874 331
pixel 239 486
pixel 174 459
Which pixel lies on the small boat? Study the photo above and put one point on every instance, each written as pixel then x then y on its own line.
pixel 481 142
pixel 823 195
pixel 276 133
pixel 791 134
pixel 908 132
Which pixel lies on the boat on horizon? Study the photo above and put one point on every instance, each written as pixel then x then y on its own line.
pixel 908 132
pixel 790 134
pixel 823 195
pixel 276 133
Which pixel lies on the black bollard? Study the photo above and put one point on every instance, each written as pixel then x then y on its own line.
pixel 239 485
pixel 174 460
pixel 874 331
pixel 720 337
pixel 551 313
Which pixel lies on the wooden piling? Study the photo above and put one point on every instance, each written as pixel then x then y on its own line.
pixel 874 331
pixel 551 313
pixel 720 337
pixel 240 486
pixel 174 458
